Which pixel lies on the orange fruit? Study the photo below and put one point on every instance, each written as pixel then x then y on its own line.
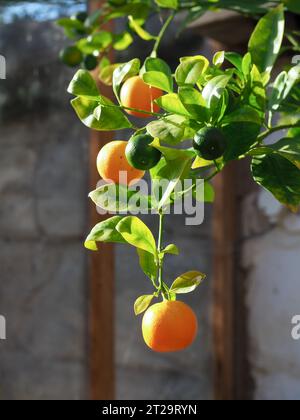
pixel 111 161
pixel 135 93
pixel 169 326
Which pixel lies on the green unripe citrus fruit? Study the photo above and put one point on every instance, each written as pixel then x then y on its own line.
pixel 140 154
pixel 81 16
pixel 210 143
pixel 90 62
pixel 71 56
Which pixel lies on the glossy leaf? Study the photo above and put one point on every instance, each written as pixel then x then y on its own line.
pixel 148 264
pixel 168 4
pixel 106 73
pixel 122 41
pixel 240 137
pixel 193 102
pixel 293 5
pixel 142 33
pixel 137 234
pixel 159 80
pixel 288 148
pixel 168 129
pixel 214 90
pixel 157 64
pixel 124 72
pixel 104 232
pixel 191 70
pixel 187 282
pixel 266 40
pixel 142 303
pixel 101 117
pixel 243 114
pixel 84 85
pixel 171 249
pixel 279 176
pixel 120 198
pixel 172 103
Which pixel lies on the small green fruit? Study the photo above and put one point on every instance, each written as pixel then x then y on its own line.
pixel 71 56
pixel 90 62
pixel 210 143
pixel 140 154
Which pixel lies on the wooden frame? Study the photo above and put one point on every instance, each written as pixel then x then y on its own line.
pixel 101 277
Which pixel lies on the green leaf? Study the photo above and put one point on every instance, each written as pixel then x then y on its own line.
pixel 167 4
pixel 201 163
pixel 173 154
pixel 120 198
pixel 159 80
pixel 235 59
pixel 213 91
pixel 106 74
pixel 190 70
pixel 124 72
pixel 276 95
pixel 279 176
pixel 254 93
pixel 293 5
pixel 171 249
pixel 241 136
pixel 157 64
pixel 101 117
pixel 171 171
pixel 96 42
pixel 69 23
pixel 84 85
pixel 171 103
pixel 209 193
pixel 122 41
pixel 104 232
pixel 168 129
pixel 193 102
pixel 289 148
pixel 142 303
pixel 142 33
pixel 137 234
pixel 243 114
pixel 219 58
pixel 187 282
pixel 148 264
pixel 266 40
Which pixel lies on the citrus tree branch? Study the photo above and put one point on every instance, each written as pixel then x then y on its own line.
pixel 161 34
pixel 272 130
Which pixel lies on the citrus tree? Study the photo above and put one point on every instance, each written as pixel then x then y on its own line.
pixel 227 107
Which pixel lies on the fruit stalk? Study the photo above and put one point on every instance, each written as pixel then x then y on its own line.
pixel 160 256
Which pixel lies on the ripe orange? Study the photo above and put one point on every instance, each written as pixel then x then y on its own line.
pixel 169 326
pixel 112 160
pixel 135 93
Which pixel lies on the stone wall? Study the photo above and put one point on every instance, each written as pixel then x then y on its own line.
pixel 43 189
pixel 271 250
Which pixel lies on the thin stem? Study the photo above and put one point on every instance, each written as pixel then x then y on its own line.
pixel 161 34
pixel 160 248
pixel 275 129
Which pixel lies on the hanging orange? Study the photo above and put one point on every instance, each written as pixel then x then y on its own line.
pixel 169 326
pixel 112 161
pixel 135 93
